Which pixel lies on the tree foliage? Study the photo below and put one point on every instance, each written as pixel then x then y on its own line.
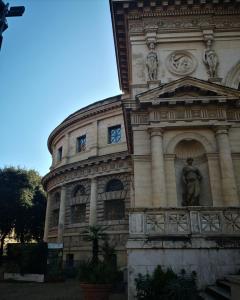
pixel 22 204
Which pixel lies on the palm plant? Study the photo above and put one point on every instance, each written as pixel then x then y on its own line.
pixel 94 234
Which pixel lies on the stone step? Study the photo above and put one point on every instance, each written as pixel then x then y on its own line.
pixel 225 284
pixel 218 292
pixel 205 296
pixel 118 297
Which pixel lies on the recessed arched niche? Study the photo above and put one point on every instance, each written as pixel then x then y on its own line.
pixel 233 77
pixel 184 149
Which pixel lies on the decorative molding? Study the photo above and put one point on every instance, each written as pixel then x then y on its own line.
pixel 184 12
pixel 190 221
pixel 98 166
pixel 186 23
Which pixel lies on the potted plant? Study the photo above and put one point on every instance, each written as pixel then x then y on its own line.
pixel 97 276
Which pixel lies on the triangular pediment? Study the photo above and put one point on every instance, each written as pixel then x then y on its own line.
pixel 188 89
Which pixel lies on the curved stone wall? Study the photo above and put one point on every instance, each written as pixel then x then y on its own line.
pixel 89 180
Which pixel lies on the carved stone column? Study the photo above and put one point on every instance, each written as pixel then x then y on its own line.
pixel 61 219
pixel 158 173
pixel 93 202
pixel 229 187
pixel 47 218
pixel 171 186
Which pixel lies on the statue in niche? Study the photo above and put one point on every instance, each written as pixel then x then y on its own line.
pixel 211 60
pixel 152 62
pixel 191 177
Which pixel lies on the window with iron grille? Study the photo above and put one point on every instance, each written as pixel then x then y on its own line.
pixel 114 209
pixel 55 217
pixel 81 143
pixel 78 191
pixel 114 134
pixel 78 213
pixel 59 153
pixel 114 185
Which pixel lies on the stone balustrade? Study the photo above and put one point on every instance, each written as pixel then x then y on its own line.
pixel 192 221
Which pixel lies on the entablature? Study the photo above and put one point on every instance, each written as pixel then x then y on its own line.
pixel 187 114
pixel 94 167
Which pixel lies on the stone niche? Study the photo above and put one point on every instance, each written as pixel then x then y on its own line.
pixel 192 148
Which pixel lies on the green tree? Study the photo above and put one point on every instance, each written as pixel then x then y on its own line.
pixel 12 182
pixel 22 205
pixel 31 203
pixel 38 212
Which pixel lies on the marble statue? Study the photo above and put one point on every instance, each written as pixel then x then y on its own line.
pixel 211 60
pixel 152 63
pixel 191 177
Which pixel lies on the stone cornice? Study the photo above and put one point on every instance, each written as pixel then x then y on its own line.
pixel 95 166
pixel 184 12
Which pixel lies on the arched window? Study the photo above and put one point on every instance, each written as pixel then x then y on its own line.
pixel 78 213
pixel 114 209
pixel 78 209
pixel 114 185
pixel 55 210
pixel 79 190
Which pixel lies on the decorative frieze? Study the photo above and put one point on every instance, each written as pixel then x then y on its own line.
pixel 97 167
pixel 185 113
pixel 191 221
pixel 197 23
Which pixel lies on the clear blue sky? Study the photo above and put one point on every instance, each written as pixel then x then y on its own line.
pixel 55 59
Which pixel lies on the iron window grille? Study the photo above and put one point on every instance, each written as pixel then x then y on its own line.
pixel 114 209
pixel 81 143
pixel 114 134
pixel 78 213
pixel 55 217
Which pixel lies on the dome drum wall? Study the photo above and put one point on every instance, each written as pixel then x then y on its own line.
pixel 97 158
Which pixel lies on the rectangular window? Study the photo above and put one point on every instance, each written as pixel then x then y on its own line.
pixel 114 209
pixel 114 134
pixel 81 143
pixel 59 154
pixel 78 213
pixel 55 216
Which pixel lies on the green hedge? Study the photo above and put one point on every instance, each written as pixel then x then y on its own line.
pixel 27 258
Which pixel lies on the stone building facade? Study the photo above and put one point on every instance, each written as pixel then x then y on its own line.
pixel 179 70
pixel 90 178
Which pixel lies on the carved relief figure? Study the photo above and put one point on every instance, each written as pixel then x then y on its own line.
pixel 152 63
pixel 191 177
pixel 211 60
pixel 181 62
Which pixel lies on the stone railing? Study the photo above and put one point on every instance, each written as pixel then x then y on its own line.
pixel 185 221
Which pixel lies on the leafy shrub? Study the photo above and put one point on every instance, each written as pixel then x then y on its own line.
pixel 70 272
pixel 27 258
pixel 55 273
pixel 166 285
pixel 101 272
